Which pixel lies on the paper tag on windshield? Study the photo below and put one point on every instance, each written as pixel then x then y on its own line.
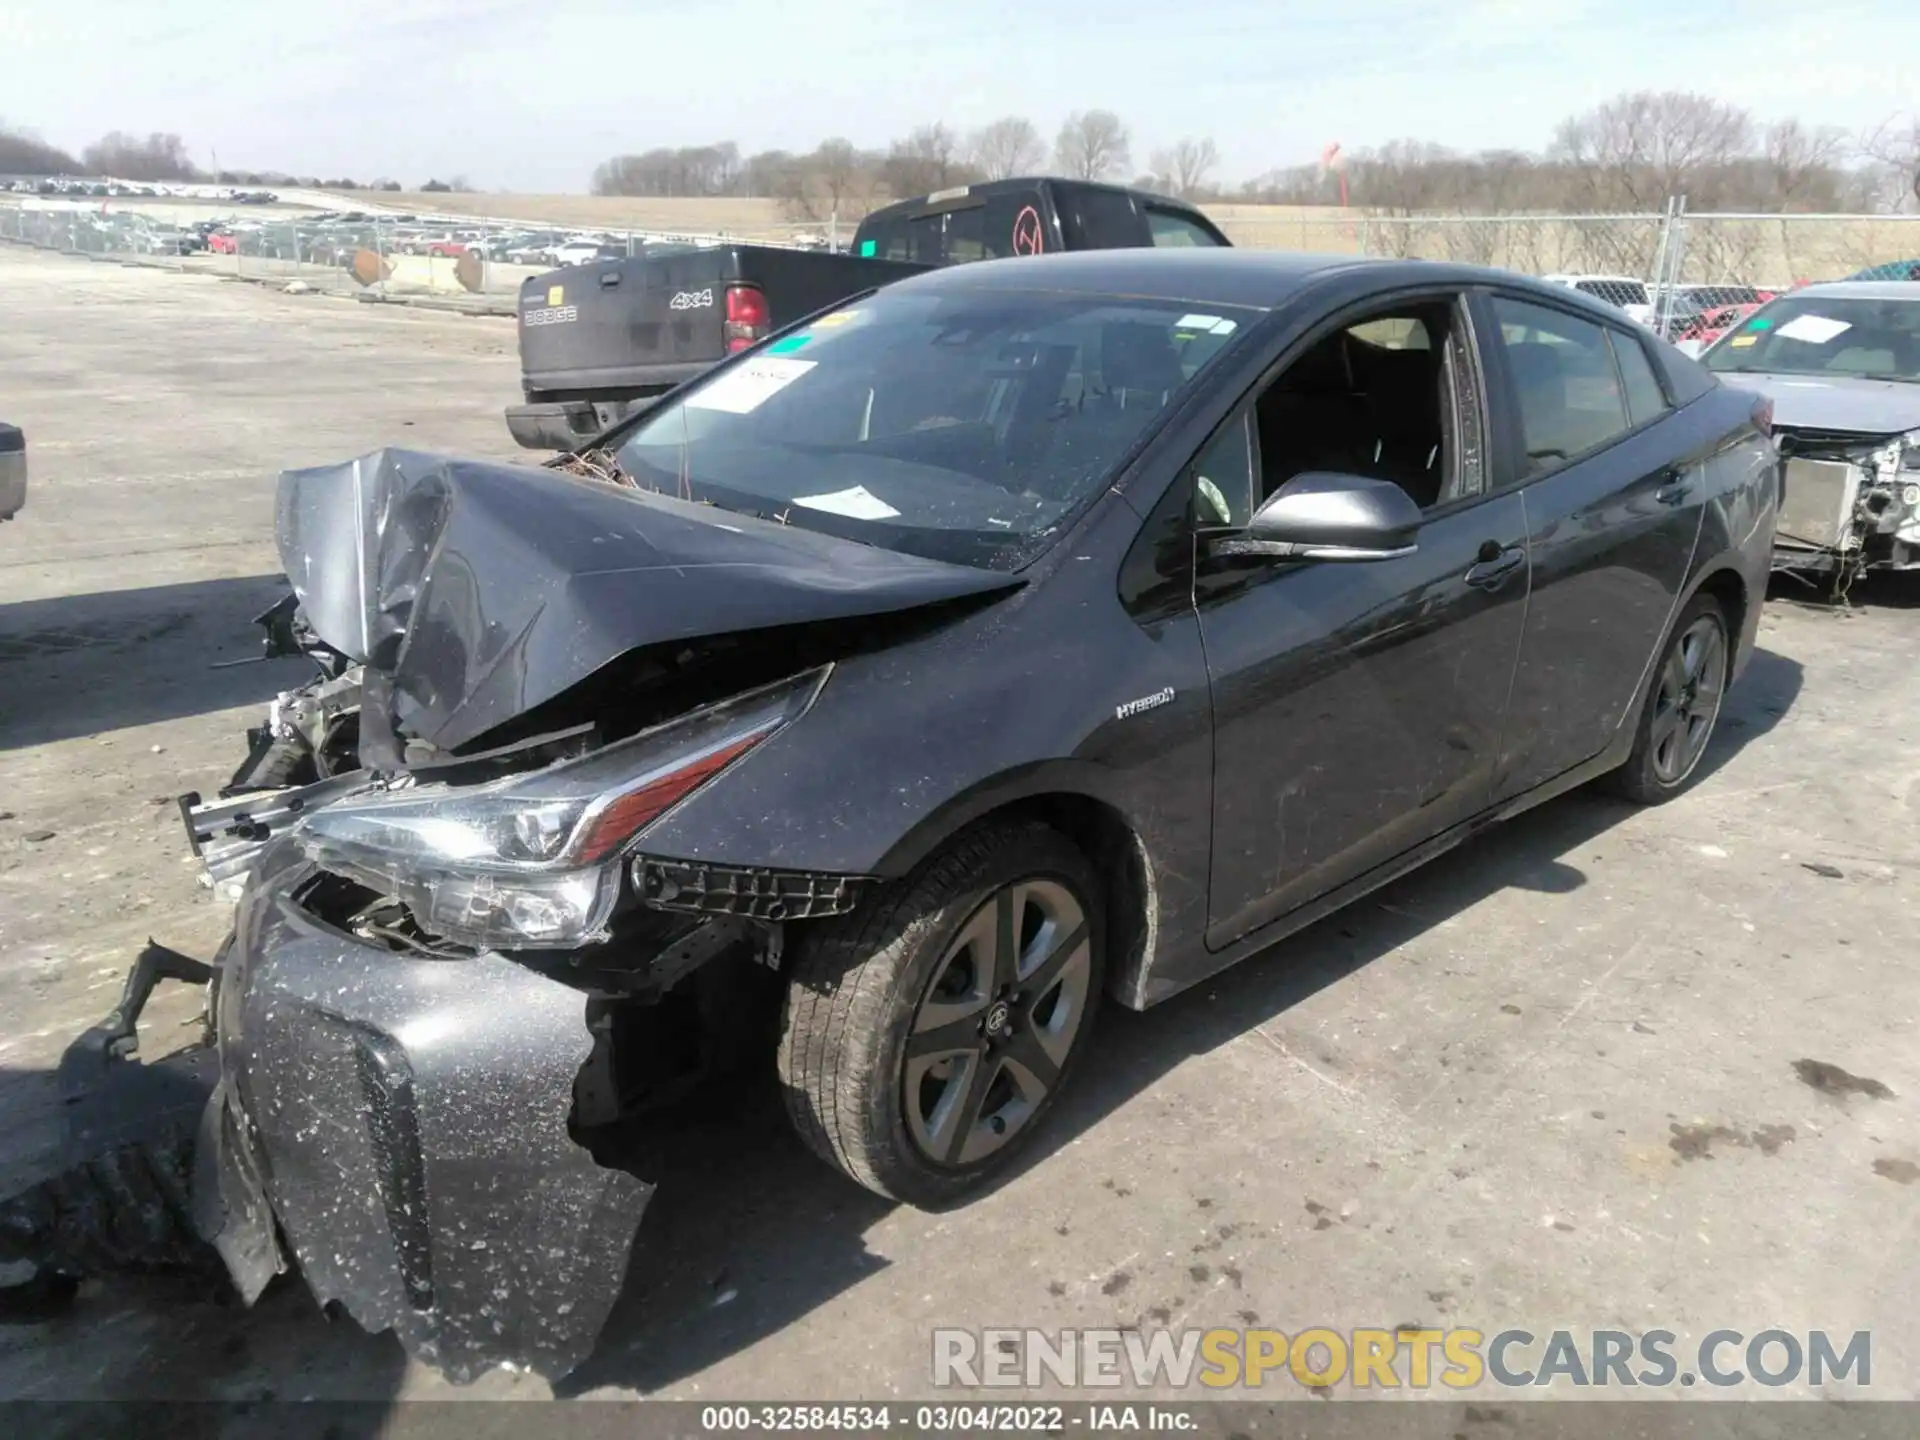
pixel 1206 324
pixel 745 388
pixel 859 503
pixel 1813 329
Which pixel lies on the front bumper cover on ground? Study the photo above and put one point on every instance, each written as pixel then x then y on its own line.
pixel 398 1126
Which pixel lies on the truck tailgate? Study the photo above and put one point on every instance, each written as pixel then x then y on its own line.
pixel 618 322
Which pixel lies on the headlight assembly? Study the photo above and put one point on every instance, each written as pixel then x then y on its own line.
pixel 534 860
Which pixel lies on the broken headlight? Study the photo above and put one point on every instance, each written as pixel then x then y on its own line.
pixel 534 861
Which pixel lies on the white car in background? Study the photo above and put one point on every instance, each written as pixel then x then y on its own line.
pixel 1623 292
pixel 582 248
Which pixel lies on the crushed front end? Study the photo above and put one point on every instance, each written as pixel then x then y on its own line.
pixel 457 973
pixel 401 1124
pixel 1849 503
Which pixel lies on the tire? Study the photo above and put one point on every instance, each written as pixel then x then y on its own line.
pixel 1690 681
pixel 919 1052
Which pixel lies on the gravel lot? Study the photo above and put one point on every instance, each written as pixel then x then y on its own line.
pixel 1547 1082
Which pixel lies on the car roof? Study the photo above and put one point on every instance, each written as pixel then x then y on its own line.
pixel 1207 275
pixel 1857 290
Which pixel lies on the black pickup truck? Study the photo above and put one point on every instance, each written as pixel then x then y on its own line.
pixel 600 340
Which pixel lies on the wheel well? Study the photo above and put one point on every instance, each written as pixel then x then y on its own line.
pixel 1730 590
pixel 1126 874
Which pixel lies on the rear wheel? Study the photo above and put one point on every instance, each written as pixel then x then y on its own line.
pixel 1682 707
pixel 928 1033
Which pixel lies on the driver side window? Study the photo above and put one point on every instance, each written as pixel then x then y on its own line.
pixel 1377 397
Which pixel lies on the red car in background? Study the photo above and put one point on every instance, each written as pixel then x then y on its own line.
pixel 221 243
pixel 1709 325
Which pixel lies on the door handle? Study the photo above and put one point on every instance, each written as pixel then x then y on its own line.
pixel 1495 564
pixel 1674 489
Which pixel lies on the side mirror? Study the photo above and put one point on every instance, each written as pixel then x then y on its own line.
pixel 1326 516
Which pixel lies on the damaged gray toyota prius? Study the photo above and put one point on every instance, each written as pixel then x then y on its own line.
pixel 1018 634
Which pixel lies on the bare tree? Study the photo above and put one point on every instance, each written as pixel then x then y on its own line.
pixel 1008 147
pixel 24 153
pixel 1802 164
pixel 836 180
pixel 129 157
pixel 1638 149
pixel 1893 163
pixel 1183 169
pixel 928 159
pixel 1093 145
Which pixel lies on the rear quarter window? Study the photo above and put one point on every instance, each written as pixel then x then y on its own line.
pixel 1170 229
pixel 1687 378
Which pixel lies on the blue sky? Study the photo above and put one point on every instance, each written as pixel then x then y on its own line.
pixel 529 94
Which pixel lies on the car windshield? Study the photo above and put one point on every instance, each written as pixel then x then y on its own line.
pixel 1825 335
pixel 959 427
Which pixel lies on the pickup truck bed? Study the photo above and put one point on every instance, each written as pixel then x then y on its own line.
pixel 599 340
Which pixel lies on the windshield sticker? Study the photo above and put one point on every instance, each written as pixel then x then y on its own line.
pixel 748 386
pixel 836 320
pixel 1760 322
pixel 1740 342
pixel 866 248
pixel 789 345
pixel 1813 329
pixel 859 503
pixel 1206 324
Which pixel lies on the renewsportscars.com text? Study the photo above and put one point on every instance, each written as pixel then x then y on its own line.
pixel 1391 1359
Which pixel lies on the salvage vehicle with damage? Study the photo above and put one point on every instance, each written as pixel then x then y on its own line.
pixel 1840 364
pixel 1014 636
pixel 603 340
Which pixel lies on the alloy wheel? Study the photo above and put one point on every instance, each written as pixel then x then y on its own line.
pixel 1000 1016
pixel 1692 683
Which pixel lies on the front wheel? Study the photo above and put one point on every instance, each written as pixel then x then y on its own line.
pixel 928 1033
pixel 1682 707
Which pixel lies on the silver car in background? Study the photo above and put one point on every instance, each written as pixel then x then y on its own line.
pixel 1841 364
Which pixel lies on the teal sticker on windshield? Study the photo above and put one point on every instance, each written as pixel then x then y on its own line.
pixel 1760 322
pixel 789 345
pixel 867 247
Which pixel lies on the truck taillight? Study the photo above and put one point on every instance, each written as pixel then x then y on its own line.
pixel 1763 415
pixel 748 318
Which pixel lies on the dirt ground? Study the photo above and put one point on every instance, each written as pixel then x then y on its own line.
pixel 1548 1082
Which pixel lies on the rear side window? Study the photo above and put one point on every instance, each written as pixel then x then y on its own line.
pixel 1565 383
pixel 1686 377
pixel 1169 228
pixel 1645 399
pixel 1104 219
pixel 1006 224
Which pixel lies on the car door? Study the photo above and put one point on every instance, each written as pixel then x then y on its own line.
pixel 1357 707
pixel 1613 513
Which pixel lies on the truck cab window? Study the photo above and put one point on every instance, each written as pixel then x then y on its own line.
pixel 1169 228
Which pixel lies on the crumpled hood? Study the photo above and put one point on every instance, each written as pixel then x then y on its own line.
pixel 480 590
pixel 1848 403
